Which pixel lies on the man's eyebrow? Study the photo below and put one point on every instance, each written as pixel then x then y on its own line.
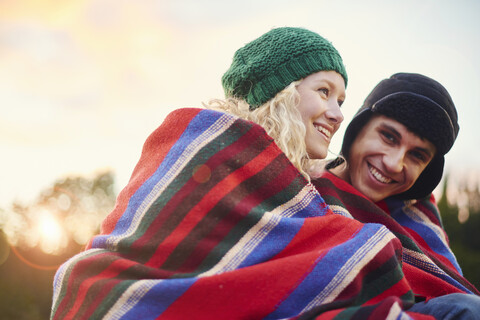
pixel 427 151
pixel 395 132
pixel 392 129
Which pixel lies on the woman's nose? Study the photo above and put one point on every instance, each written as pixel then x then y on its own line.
pixel 334 113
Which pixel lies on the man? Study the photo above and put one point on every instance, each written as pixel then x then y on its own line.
pixel 393 153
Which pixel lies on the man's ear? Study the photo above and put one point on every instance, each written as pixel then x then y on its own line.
pixel 427 181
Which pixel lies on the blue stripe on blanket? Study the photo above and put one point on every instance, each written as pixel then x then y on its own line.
pixel 280 232
pixel 157 299
pixel 433 269
pixel 276 240
pixel 199 124
pixel 316 208
pixel 430 237
pixel 333 271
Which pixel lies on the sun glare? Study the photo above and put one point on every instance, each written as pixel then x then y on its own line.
pixel 50 231
pixel 49 228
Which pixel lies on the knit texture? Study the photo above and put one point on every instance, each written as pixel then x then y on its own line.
pixel 417 97
pixel 421 104
pixel 421 115
pixel 216 223
pixel 268 64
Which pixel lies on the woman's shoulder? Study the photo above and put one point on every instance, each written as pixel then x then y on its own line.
pixel 187 114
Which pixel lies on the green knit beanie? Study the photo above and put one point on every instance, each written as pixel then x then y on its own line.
pixel 268 64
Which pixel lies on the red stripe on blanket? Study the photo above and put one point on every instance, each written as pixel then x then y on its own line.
pixel 154 151
pixel 419 316
pixel 232 219
pixel 425 284
pixel 383 205
pixel 329 315
pixel 333 228
pixel 431 214
pixel 426 248
pixel 384 266
pixel 398 289
pixel 110 272
pixel 211 199
pixel 178 205
pixel 343 185
pixel 242 293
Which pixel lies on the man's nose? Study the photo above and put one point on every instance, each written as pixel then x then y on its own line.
pixel 394 161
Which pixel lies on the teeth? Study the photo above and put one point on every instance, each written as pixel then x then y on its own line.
pixel 323 130
pixel 379 176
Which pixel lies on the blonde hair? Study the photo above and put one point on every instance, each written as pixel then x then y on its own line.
pixel 280 118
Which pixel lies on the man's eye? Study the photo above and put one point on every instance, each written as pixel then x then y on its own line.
pixel 418 155
pixel 390 138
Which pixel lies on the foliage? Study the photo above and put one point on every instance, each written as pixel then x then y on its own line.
pixel 461 220
pixel 36 238
pixel 29 258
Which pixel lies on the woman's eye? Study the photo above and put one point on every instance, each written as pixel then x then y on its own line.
pixel 324 91
pixel 340 102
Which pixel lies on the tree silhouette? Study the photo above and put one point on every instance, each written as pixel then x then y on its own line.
pixel 78 204
pixel 36 238
pixel 461 219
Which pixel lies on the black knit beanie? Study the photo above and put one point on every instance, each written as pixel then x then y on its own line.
pixel 268 64
pixel 425 107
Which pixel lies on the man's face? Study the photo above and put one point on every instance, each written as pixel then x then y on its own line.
pixel 386 158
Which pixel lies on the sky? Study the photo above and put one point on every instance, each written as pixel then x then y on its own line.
pixel 84 82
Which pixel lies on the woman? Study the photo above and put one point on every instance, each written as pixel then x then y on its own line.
pixel 292 88
pixel 219 219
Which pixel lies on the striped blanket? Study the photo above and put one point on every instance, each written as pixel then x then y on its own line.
pixel 429 265
pixel 216 223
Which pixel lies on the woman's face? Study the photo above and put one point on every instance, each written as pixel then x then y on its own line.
pixel 386 158
pixel 321 95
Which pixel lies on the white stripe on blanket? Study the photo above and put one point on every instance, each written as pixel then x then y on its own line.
pixel 238 253
pixel 352 267
pixel 216 129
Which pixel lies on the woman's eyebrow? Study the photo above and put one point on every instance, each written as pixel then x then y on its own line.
pixel 331 85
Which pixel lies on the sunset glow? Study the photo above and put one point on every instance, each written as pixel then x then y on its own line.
pixel 51 233
pixel 49 229
pixel 84 82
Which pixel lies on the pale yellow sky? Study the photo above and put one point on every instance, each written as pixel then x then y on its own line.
pixel 83 83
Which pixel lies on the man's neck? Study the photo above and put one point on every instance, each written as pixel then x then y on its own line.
pixel 341 171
